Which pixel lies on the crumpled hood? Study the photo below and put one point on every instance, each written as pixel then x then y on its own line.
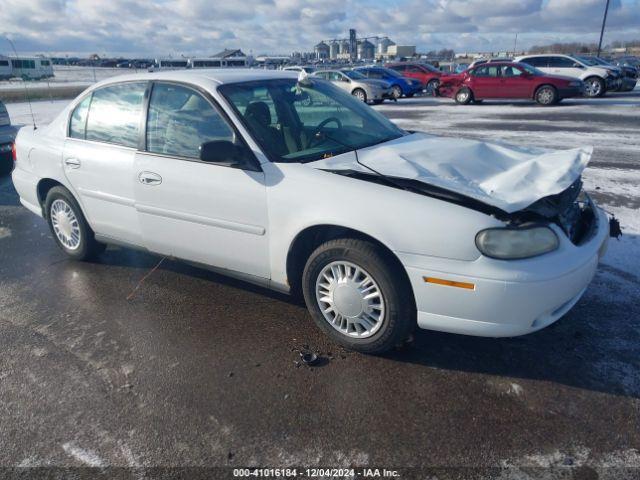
pixel 507 177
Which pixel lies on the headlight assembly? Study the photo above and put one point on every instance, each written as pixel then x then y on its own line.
pixel 515 243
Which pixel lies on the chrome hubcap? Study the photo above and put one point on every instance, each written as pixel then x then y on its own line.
pixel 359 95
pixel 545 96
pixel 462 96
pixel 397 92
pixel 65 224
pixel 350 299
pixel 594 88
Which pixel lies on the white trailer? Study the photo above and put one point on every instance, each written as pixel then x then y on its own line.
pixel 31 68
pixel 5 68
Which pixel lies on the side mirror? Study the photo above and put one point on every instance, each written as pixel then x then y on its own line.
pixel 577 65
pixel 225 152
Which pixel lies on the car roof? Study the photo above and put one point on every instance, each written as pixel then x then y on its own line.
pixel 203 76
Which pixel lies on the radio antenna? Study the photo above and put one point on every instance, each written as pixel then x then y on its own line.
pixel 26 90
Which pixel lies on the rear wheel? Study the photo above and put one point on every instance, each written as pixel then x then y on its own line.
pixel 360 94
pixel 70 229
pixel 358 296
pixel 595 87
pixel 464 96
pixel 546 95
pixel 396 91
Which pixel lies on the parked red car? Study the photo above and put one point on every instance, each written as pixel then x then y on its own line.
pixel 508 80
pixel 427 74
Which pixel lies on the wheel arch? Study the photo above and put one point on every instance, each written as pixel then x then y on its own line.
pixel 46 184
pixel 311 237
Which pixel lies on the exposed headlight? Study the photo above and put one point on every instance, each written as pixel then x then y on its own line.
pixel 514 243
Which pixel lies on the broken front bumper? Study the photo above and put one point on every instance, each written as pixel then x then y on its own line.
pixel 503 298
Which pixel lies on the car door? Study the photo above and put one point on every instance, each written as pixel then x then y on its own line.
pixel 214 214
pixel 341 80
pixel 565 66
pixel 413 71
pixel 485 82
pixel 98 158
pixel 514 82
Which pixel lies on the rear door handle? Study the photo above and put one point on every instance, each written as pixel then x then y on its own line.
pixel 149 178
pixel 72 162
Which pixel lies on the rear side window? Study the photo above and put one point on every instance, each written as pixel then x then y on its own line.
pixel 114 114
pixel 180 120
pixel 561 62
pixel 536 61
pixel 78 123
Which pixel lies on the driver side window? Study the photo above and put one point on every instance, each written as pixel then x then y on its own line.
pixel 180 120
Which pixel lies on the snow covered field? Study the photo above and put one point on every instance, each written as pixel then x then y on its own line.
pixel 610 124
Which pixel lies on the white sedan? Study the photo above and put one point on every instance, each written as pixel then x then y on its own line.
pixel 293 184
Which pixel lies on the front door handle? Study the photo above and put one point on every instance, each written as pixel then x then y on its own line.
pixel 149 178
pixel 72 162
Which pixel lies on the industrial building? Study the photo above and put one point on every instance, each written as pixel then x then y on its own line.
pixel 361 49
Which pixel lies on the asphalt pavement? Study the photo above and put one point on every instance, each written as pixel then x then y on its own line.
pixel 192 369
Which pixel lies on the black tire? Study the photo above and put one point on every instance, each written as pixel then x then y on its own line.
pixel 88 247
pixel 399 318
pixel 433 85
pixel 396 91
pixel 598 84
pixel 464 96
pixel 360 94
pixel 546 95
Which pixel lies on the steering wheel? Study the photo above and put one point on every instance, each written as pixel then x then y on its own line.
pixel 318 129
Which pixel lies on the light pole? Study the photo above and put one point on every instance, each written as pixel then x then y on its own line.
pixel 604 21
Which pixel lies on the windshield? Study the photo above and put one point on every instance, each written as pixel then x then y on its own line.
pixel 295 123
pixel 353 75
pixel 588 61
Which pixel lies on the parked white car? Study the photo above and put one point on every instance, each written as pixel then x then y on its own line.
pixel 379 228
pixel 598 79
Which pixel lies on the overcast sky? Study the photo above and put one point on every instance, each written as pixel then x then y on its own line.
pixel 172 27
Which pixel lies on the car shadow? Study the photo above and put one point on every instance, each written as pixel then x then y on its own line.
pixel 596 346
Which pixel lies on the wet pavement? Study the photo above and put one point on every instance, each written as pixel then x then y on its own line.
pixel 195 369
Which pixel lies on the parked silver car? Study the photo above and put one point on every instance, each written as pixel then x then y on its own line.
pixel 361 87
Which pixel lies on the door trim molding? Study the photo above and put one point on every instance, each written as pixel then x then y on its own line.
pixel 211 222
pixel 107 197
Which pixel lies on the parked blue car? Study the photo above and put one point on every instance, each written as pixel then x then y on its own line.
pixel 400 86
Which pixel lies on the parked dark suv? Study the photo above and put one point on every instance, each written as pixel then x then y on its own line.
pixel 7 135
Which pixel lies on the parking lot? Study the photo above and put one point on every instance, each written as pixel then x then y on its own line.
pixel 119 363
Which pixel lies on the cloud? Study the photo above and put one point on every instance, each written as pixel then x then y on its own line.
pixel 202 27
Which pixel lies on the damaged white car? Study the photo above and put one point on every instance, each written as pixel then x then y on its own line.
pixel 298 186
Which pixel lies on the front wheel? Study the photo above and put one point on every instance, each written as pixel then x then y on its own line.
pixel 70 229
pixel 464 96
pixel 358 296
pixel 360 94
pixel 396 91
pixel 432 86
pixel 546 95
pixel 595 87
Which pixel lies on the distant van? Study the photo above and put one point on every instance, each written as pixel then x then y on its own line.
pixel 214 62
pixel 170 64
pixel 5 69
pixel 31 68
pixel 205 63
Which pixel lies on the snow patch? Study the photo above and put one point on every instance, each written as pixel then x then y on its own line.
pixel 84 456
